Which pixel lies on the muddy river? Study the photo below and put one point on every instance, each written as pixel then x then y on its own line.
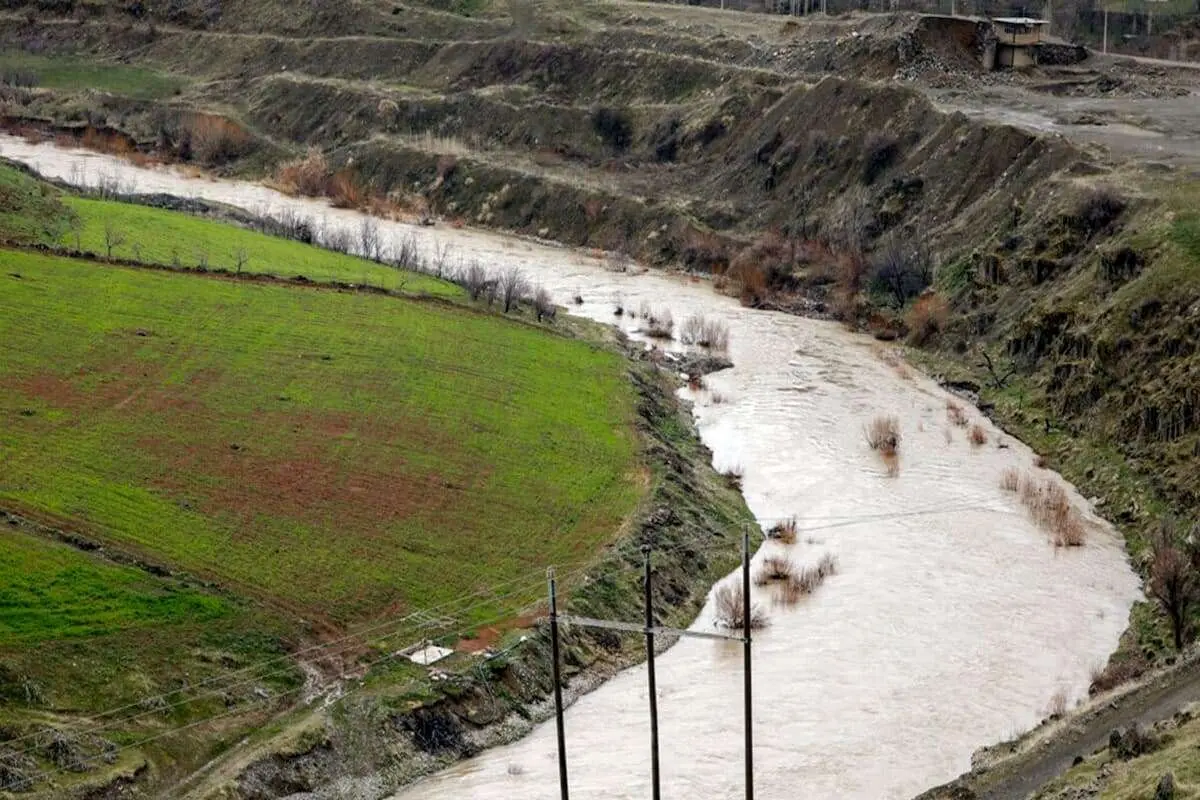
pixel 952 622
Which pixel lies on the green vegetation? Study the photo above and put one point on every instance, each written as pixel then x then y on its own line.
pixel 329 450
pixel 52 591
pixel 31 212
pixel 158 236
pixel 69 72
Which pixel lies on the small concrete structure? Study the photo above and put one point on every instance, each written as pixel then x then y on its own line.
pixel 1017 40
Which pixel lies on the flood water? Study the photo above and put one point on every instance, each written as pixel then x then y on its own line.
pixel 951 624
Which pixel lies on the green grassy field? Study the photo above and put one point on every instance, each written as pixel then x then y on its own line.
pixel 31 212
pixel 341 455
pixel 68 72
pixel 156 236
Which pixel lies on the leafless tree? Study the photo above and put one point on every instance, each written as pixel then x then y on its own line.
pixel 1173 581
pixel 368 239
pixel 406 254
pixel 440 261
pixel 900 269
pixel 240 258
pixel 999 379
pixel 474 279
pixel 75 223
pixel 513 288
pixel 113 238
pixel 543 305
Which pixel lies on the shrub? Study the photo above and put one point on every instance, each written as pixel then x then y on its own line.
pixel 513 287
pixel 733 475
pixel 775 568
pixel 978 435
pixel 806 581
pixel 883 434
pixel 1173 582
pixel 880 152
pixel 900 270
pixel 1010 480
pixel 1058 704
pixel 614 127
pixel 543 305
pixel 784 531
pixel 711 334
pixel 1050 506
pixel 661 325
pixel 955 413
pixel 1097 210
pixel 345 191
pixel 1115 673
pixel 214 140
pixel 729 607
pixel 926 318
pixel 308 176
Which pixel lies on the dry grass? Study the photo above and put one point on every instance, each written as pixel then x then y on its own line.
pixel 1050 506
pixel 710 334
pixel 345 191
pixel 1010 479
pixel 774 569
pixel 784 531
pixel 216 140
pixel 956 414
pixel 1115 673
pixel 883 435
pixel 978 435
pixel 729 607
pixel 1058 704
pixel 805 582
pixel 308 176
pixel 926 318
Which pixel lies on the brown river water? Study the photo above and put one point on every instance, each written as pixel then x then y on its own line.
pixel 951 623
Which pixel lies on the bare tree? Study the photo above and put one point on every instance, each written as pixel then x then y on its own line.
pixel 1173 581
pixel 474 279
pixel 113 238
pixel 543 305
pixel 240 257
pixel 513 288
pixel 998 379
pixel 406 253
pixel 901 270
pixel 368 239
pixel 441 259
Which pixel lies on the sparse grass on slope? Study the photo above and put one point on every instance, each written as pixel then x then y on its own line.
pixel 340 454
pixel 157 236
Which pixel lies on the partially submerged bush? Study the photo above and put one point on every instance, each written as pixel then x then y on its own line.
pixel 956 414
pixel 729 607
pixel 711 334
pixel 775 568
pixel 806 581
pixel 214 140
pixel 784 531
pixel 1117 672
pixel 883 435
pixel 543 305
pixel 978 435
pixel 1050 506
pixel 1010 479
pixel 660 324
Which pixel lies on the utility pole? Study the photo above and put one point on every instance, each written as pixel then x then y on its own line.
pixel 558 701
pixel 746 663
pixel 654 775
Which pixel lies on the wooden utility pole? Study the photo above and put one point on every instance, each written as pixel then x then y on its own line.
pixel 558 701
pixel 656 791
pixel 746 681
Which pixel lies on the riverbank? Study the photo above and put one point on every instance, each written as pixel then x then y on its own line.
pixel 789 416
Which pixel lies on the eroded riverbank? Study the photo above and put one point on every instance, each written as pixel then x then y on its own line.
pixel 952 623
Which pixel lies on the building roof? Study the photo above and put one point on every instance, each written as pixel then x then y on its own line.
pixel 1020 21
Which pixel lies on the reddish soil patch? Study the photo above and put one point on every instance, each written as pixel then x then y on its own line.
pixel 487 637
